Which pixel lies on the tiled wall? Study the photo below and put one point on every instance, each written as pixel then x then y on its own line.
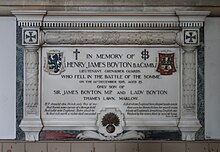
pixel 131 146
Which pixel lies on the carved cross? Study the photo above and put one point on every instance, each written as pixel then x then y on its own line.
pixel 76 52
pixel 30 36
pixel 190 36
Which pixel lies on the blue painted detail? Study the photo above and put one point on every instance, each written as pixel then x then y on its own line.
pixel 55 62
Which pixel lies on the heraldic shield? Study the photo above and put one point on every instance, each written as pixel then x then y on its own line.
pixel 166 63
pixel 54 62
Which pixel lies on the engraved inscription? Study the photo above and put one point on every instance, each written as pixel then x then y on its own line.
pixel 124 78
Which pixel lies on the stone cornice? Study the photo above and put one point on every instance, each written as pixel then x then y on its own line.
pixel 189 18
pixel 29 18
pixel 108 21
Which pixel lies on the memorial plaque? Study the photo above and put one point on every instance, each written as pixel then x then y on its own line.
pixel 78 82
pixel 110 76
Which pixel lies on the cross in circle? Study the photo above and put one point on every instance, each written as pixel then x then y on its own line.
pixel 191 37
pixel 76 52
pixel 30 36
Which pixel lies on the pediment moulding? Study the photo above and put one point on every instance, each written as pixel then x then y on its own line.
pixel 118 21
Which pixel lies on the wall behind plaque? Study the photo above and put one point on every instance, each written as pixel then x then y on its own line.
pixel 8 78
pixel 212 78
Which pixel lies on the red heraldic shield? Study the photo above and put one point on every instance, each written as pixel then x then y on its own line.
pixel 166 64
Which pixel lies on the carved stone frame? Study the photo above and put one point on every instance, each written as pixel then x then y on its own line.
pixel 180 28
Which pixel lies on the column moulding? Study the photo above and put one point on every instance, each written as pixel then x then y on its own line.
pixel 30 22
pixel 189 40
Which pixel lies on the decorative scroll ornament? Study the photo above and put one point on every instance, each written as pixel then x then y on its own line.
pixel 166 64
pixel 110 123
pixel 54 62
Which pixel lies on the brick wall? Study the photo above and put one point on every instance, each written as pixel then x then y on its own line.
pixel 131 146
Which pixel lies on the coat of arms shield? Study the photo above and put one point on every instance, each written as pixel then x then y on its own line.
pixel 166 64
pixel 54 62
